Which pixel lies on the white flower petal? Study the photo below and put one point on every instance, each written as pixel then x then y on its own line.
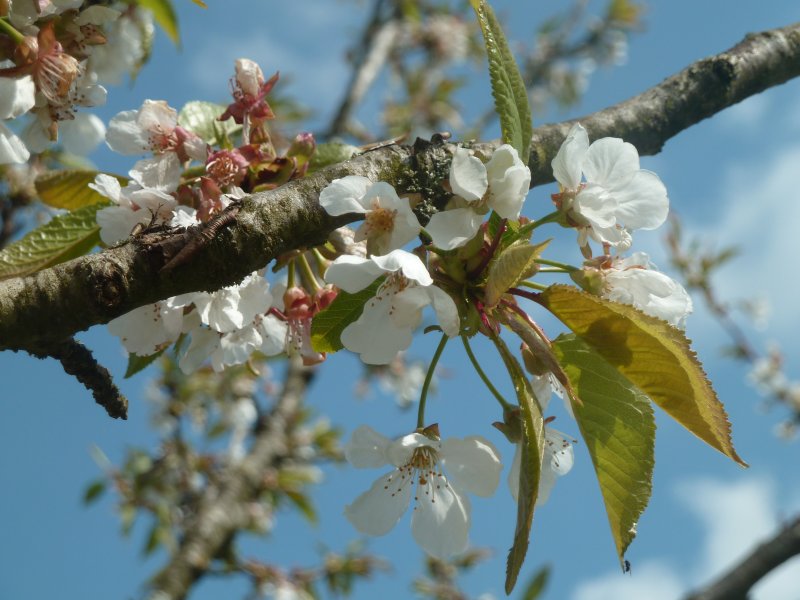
pixel 468 177
pixel 343 196
pixel 568 163
pixel 473 464
pixel 220 310
pixel 162 172
pixel 254 296
pixel 378 509
pixel 409 264
pixel 610 161
pixel 117 222
pixel 509 182
pixel 12 148
pixel 124 134
pixel 441 521
pixel 204 342
pixel 453 228
pixel 366 448
pixel 400 451
pixel 374 335
pixel 273 333
pixel 145 329
pixel 446 310
pixel 597 206
pixel 643 202
pixel 407 307
pixel 17 96
pixel 82 134
pixel 352 273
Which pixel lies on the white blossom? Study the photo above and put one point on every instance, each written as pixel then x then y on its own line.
pixel 147 329
pixel 17 96
pixel 441 518
pixel 388 320
pixel 388 223
pixel 617 196
pixel 634 280
pixel 500 185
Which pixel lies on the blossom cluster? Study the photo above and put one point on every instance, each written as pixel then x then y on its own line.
pixel 58 54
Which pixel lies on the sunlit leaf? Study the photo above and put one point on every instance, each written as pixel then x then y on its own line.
pixel 200 3
pixel 618 426
pixel 531 464
pixel 513 265
pixel 166 17
pixel 508 88
pixel 62 238
pixel 327 326
pixel 138 363
pixel 331 153
pixel 303 503
pixel 652 354
pixel 70 189
pixel 201 118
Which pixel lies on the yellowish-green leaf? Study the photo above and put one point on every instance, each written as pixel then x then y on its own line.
pixel 201 118
pixel 513 265
pixel 508 89
pixel 331 153
pixel 166 17
pixel 200 3
pixel 327 326
pixel 536 584
pixel 70 189
pixel 62 238
pixel 619 429
pixel 652 354
pixel 138 363
pixel 530 465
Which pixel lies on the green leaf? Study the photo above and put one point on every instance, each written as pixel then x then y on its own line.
pixel 201 118
pixel 70 189
pixel 137 363
pixel 164 14
pixel 508 88
pixel 303 504
pixel 327 326
pixel 652 354
pixel 513 265
pixel 200 3
pixel 536 584
pixel 94 491
pixel 155 538
pixel 531 464
pixel 331 153
pixel 619 429
pixel 64 237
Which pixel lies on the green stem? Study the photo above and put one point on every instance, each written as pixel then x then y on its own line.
pixel 307 273
pixel 11 31
pixel 552 263
pixel 552 217
pixel 423 397
pixel 290 275
pixel 534 286
pixel 322 262
pixel 503 402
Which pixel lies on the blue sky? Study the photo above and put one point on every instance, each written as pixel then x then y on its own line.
pixel 731 178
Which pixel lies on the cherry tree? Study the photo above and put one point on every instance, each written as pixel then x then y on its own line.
pixel 238 253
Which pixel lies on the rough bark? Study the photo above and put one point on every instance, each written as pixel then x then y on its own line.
pixel 54 304
pixel 737 582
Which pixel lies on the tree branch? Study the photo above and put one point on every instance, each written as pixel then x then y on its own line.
pixel 767 556
pixel 94 289
pixel 222 511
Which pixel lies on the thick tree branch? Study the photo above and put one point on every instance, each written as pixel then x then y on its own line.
pixel 767 556
pixel 223 509
pixel 94 289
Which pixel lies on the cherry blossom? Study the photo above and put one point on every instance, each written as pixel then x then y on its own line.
pixel 617 196
pixel 441 518
pixel 17 96
pixel 391 316
pixel 154 128
pixel 635 280
pixel 500 185
pixel 388 223
pixel 147 329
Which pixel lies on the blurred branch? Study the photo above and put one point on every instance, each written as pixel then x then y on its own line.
pixel 96 288
pixel 367 61
pixel 222 511
pixel 767 556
